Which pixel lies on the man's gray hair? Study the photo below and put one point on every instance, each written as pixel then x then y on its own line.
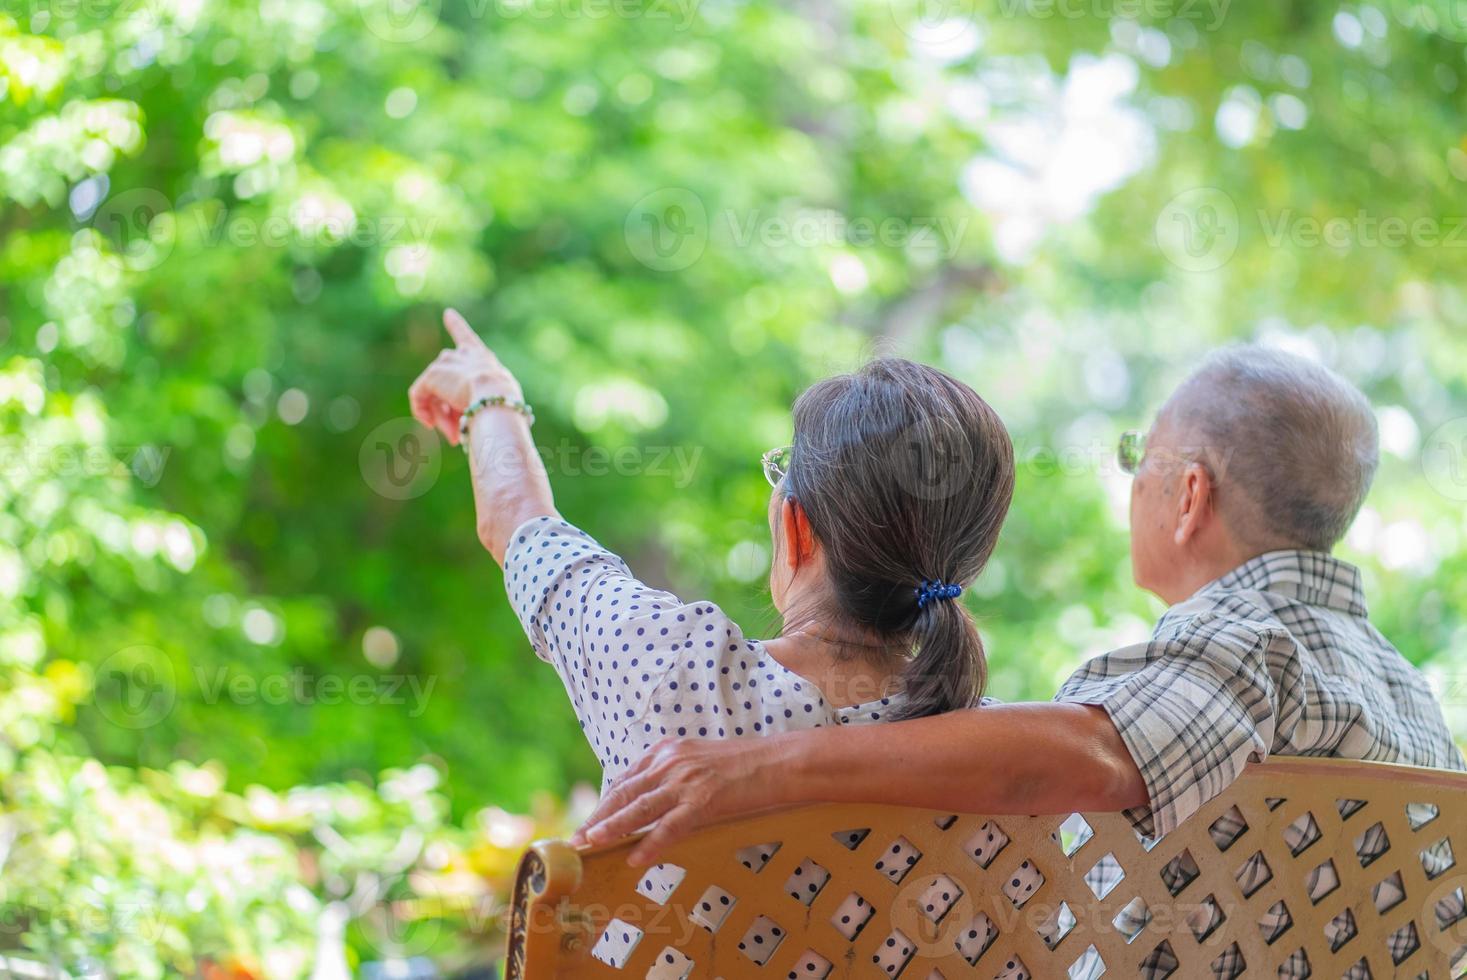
pixel 1293 445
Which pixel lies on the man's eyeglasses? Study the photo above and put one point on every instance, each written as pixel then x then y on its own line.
pixel 1131 451
pixel 777 464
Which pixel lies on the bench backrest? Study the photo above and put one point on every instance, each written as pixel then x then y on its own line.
pixel 1334 861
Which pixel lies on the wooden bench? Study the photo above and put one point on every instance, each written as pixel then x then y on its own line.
pixel 1346 866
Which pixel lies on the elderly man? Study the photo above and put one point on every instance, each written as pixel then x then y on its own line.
pixel 1254 470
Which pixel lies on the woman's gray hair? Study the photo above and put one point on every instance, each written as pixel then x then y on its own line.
pixel 905 476
pixel 1293 446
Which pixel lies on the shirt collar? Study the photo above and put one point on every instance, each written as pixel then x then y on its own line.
pixel 1311 577
pixel 868 711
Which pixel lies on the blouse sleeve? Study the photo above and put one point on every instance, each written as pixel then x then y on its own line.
pixel 613 640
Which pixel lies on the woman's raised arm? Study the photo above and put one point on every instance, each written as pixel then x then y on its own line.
pixel 510 483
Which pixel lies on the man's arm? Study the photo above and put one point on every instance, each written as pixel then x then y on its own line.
pixel 1000 759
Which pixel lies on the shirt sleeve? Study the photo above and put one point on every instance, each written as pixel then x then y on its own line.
pixel 613 640
pixel 1193 710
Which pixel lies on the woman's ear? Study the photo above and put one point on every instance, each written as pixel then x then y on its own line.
pixel 799 538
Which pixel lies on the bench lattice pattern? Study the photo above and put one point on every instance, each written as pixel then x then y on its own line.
pixel 1320 868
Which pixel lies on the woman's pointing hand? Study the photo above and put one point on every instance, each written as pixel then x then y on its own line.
pixel 457 376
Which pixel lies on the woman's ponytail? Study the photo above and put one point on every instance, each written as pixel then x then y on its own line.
pixel 948 669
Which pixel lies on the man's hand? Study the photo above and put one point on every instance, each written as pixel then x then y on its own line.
pixel 681 785
pixel 457 376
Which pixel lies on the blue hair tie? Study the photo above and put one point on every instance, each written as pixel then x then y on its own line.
pixel 937 589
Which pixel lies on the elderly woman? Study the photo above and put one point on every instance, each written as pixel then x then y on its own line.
pixel 888 504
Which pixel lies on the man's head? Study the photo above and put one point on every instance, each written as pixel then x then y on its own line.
pixel 1257 451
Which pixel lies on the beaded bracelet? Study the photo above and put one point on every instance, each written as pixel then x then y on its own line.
pixel 510 403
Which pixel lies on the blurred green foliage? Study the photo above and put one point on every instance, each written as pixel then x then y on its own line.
pixel 229 566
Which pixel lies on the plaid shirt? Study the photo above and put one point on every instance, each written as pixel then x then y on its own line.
pixel 1277 656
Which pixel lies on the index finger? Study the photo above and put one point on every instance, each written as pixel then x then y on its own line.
pixel 676 824
pixel 458 328
pixel 627 789
pixel 643 810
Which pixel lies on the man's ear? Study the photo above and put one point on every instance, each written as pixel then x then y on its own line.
pixel 799 539
pixel 1196 499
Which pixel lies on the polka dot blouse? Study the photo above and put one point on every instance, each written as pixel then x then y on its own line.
pixel 639 663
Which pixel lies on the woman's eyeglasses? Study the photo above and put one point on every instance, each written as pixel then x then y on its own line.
pixel 1131 451
pixel 777 464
